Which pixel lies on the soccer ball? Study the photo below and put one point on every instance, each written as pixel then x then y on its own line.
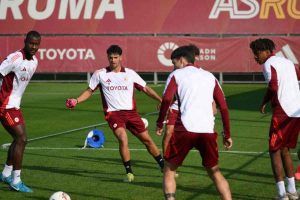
pixel 145 122
pixel 60 196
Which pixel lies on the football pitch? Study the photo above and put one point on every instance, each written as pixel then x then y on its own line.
pixel 54 160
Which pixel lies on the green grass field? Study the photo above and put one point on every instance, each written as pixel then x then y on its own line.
pixel 57 163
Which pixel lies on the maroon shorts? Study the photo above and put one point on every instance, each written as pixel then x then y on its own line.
pixel 182 142
pixel 172 116
pixel 11 117
pixel 284 131
pixel 129 119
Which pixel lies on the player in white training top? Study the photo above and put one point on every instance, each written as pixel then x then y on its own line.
pixel 117 85
pixel 195 90
pixel 284 95
pixel 16 71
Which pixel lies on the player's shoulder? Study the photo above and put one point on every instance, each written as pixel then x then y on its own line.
pixel 171 74
pixel 277 61
pixel 129 70
pixel 100 71
pixel 16 56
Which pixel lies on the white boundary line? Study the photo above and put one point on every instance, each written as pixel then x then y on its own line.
pixel 117 149
pixel 6 145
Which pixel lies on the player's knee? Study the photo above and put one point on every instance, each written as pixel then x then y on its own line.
pixel 147 142
pixel 21 140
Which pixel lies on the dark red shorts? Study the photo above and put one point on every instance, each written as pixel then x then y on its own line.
pixel 127 119
pixel 11 117
pixel 172 116
pixel 284 131
pixel 182 142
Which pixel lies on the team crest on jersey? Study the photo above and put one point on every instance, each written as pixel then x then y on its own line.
pixel 24 69
pixel 115 125
pixel 17 119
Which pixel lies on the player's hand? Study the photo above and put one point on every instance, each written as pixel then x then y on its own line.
pixel 262 108
pixel 71 103
pixel 159 131
pixel 227 143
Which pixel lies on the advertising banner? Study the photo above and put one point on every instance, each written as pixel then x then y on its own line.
pixel 147 54
pixel 148 17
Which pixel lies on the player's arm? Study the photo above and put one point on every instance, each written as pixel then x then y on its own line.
pixel 86 94
pixel 298 72
pixel 271 90
pixel 151 93
pixel 166 102
pixel 9 63
pixel 221 102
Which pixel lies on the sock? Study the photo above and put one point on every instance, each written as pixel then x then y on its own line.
pixel 160 161
pixel 7 170
pixel 127 166
pixel 291 187
pixel 281 188
pixel 16 176
pixel 169 196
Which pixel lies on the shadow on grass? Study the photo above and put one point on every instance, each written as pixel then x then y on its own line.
pixel 248 101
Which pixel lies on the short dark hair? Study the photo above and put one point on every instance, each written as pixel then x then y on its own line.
pixel 114 49
pixel 262 44
pixel 194 49
pixel 32 34
pixel 183 51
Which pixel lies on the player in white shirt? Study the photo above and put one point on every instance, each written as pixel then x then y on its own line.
pixel 195 90
pixel 284 95
pixel 117 85
pixel 16 71
pixel 173 111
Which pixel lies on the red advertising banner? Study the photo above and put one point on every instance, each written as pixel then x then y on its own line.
pixel 147 54
pixel 155 16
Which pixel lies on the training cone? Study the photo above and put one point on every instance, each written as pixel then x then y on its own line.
pixel 297 174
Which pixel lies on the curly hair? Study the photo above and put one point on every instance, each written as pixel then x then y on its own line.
pixel 262 44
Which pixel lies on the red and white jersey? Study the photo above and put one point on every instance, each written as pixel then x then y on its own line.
pixel 196 89
pixel 117 88
pixel 17 72
pixel 174 105
pixel 287 87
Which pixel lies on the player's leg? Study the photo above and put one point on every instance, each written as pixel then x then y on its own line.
pixel 145 138
pixel 169 182
pixel 167 136
pixel 289 172
pixel 121 135
pixel 17 151
pixel 137 127
pixel 277 168
pixel 6 175
pixel 220 182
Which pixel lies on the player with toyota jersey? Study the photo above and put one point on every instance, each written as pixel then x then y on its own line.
pixel 16 71
pixel 117 85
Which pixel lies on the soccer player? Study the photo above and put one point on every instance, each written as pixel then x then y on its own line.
pixel 117 85
pixel 284 95
pixel 16 71
pixel 194 127
pixel 173 111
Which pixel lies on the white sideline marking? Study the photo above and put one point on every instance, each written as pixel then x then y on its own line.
pixel 6 145
pixel 117 149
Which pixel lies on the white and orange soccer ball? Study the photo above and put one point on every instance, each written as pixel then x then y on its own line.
pixel 60 196
pixel 145 122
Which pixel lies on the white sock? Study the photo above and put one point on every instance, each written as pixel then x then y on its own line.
pixel 281 188
pixel 7 170
pixel 16 176
pixel 291 187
